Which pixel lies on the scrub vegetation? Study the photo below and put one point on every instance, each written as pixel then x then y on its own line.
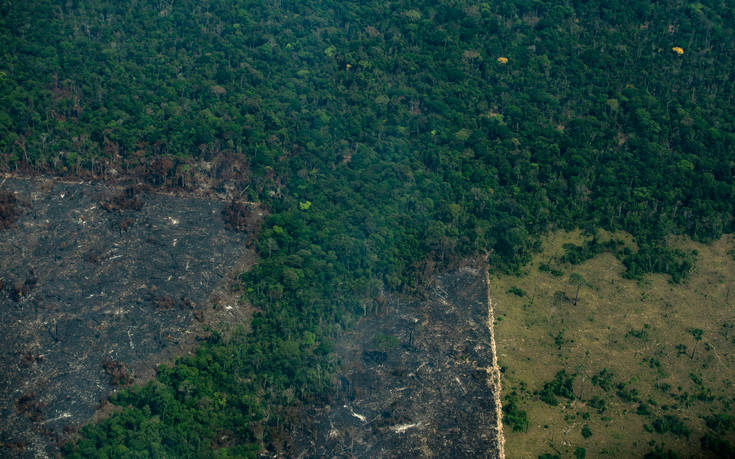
pixel 636 367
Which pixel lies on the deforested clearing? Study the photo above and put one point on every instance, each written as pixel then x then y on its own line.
pixel 638 365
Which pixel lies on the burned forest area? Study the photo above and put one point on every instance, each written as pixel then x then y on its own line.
pixel 98 286
pixel 414 381
pixel 101 285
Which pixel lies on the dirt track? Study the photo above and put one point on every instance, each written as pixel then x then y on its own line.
pixel 494 381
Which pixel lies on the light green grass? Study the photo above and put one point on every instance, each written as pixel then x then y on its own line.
pixel 538 335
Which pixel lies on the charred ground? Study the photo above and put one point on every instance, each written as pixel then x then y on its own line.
pixel 98 286
pixel 414 381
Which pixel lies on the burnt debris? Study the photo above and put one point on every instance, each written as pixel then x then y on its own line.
pixel 128 199
pixel 237 216
pixel 414 382
pixel 118 371
pixel 10 209
pixel 117 280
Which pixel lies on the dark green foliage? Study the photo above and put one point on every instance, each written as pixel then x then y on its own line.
pixel 597 403
pixel 547 396
pixel 576 254
pixel 720 423
pixel 580 453
pixel 653 362
pixel 651 259
pixel 562 386
pixel 513 415
pixel 629 137
pixel 627 394
pixel 517 291
pixel 643 409
pixel 545 267
pixel 178 413
pixel 549 456
pixel 586 432
pixel 663 387
pixel 604 379
pixel 671 423
pixel 559 339
pixel 719 446
pixel 641 334
pixel 659 453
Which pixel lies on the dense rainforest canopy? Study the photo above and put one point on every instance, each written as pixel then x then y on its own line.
pixel 383 137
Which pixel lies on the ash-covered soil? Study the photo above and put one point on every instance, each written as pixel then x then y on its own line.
pixel 415 382
pixel 97 286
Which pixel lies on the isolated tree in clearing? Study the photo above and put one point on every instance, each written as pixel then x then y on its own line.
pixel 576 280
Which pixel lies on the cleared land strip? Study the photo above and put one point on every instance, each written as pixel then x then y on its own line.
pixel 494 371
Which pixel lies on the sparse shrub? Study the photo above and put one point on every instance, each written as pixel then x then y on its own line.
pixel 603 379
pixel 659 453
pixel 643 409
pixel 576 254
pixel 650 259
pixel 627 394
pixel 561 386
pixel 719 446
pixel 704 395
pixel 720 422
pixel 513 415
pixel 547 396
pixel 641 334
pixel 560 297
pixel 671 423
pixel 597 403
pixel 545 267
pixel 559 339
pixel 517 291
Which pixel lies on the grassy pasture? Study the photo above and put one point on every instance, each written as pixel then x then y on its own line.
pixel 648 363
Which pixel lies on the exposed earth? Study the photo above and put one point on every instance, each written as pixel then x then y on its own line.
pixel 98 286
